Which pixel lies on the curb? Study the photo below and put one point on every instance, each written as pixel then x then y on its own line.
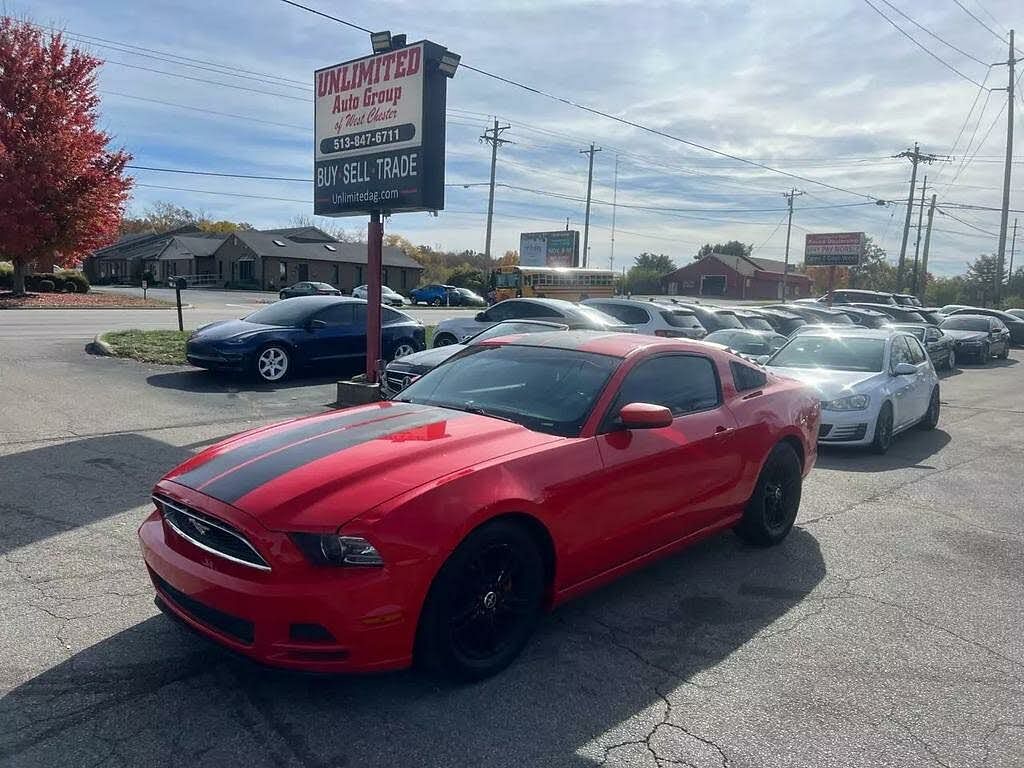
pixel 117 307
pixel 99 347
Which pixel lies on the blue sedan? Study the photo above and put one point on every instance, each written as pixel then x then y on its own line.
pixel 311 332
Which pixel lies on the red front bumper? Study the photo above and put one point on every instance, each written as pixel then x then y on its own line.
pixel 361 617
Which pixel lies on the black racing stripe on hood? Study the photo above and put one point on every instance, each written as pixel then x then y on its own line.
pixel 302 430
pixel 237 483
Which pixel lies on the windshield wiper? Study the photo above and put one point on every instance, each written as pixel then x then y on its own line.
pixel 484 412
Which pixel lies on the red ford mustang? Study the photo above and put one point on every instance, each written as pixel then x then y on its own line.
pixel 439 526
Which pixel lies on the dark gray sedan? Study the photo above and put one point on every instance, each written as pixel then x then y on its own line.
pixel 978 336
pixel 940 345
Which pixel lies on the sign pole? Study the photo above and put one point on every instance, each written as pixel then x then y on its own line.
pixel 179 283
pixel 374 259
pixel 831 284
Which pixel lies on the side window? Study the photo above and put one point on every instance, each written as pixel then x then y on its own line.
pixel 682 383
pixel 900 352
pixel 506 310
pixel 917 355
pixel 389 316
pixel 932 334
pixel 746 378
pixel 526 309
pixel 337 314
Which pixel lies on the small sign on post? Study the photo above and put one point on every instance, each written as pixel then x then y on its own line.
pixel 179 285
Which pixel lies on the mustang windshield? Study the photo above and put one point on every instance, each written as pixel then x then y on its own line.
pixel 546 390
pixel 837 353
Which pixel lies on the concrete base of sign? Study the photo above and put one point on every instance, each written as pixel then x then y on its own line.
pixel 354 392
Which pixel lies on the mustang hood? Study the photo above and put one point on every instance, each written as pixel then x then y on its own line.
pixel 324 470
pixel 829 384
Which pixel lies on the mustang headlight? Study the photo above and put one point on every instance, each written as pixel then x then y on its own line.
pixel 849 403
pixel 331 549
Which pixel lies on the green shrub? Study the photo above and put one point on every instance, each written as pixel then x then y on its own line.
pixel 46 286
pixel 74 281
pixel 6 274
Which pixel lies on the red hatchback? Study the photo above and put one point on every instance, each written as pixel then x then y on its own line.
pixel 441 525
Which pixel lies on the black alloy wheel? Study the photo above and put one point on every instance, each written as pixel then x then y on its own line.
pixel 883 430
pixel 771 511
pixel 930 420
pixel 484 603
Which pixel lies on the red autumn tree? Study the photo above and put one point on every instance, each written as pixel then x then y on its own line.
pixel 62 191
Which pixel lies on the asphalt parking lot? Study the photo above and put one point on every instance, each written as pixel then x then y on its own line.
pixel 888 630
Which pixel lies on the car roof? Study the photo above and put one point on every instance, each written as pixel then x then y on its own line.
pixel 599 342
pixel 862 310
pixel 969 314
pixel 846 330
pixel 649 303
pixel 323 301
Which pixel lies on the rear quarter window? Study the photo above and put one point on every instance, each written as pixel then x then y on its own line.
pixel 746 378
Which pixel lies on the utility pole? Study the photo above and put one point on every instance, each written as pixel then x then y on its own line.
pixel 590 182
pixel 1010 62
pixel 789 227
pixel 915 156
pixel 1013 247
pixel 917 241
pixel 493 137
pixel 615 201
pixel 919 286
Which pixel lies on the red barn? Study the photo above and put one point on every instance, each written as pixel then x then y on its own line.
pixel 723 275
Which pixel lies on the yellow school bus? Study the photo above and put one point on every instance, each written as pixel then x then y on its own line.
pixel 570 284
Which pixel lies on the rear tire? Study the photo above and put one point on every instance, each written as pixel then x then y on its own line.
pixel 883 431
pixel 483 605
pixel 930 420
pixel 771 511
pixel 435 302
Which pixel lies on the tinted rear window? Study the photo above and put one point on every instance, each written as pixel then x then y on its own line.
pixel 677 318
pixel 756 323
pixel 965 323
pixel 728 320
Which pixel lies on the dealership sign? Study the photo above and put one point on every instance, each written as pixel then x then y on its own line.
pixel 838 249
pixel 550 249
pixel 379 133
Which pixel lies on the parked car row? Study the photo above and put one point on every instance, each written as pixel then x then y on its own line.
pixel 433 295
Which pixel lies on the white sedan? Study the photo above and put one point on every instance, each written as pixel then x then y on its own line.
pixel 873 384
pixel 387 296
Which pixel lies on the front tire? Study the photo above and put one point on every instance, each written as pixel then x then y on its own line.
pixel 273 364
pixel 435 302
pixel 483 605
pixel 951 360
pixel 930 420
pixel 986 354
pixel 282 295
pixel 444 340
pixel 1006 352
pixel 771 511
pixel 883 431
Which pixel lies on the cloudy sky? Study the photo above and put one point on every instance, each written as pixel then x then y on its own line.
pixel 827 91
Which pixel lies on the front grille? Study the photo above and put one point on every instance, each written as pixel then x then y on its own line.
pixel 842 432
pixel 396 381
pixel 232 626
pixel 211 535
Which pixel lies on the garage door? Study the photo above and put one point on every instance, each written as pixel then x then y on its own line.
pixel 712 285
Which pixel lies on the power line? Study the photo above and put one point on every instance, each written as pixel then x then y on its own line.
pixel 207 111
pixel 607 115
pixel 909 37
pixel 967 119
pixel 91 38
pixel 966 223
pixel 965 9
pixel 936 37
pixel 208 82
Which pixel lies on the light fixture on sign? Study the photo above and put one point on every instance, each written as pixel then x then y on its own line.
pixel 381 41
pixel 449 63
pixel 397 41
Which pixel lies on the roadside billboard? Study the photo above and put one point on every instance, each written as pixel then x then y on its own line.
pixel 837 249
pixel 379 133
pixel 550 249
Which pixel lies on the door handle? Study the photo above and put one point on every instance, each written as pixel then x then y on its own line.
pixel 720 430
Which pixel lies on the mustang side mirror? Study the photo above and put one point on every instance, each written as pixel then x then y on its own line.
pixel 315 325
pixel 904 369
pixel 645 416
pixel 762 359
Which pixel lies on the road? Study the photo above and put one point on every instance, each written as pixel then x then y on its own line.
pixel 888 630
pixel 58 325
